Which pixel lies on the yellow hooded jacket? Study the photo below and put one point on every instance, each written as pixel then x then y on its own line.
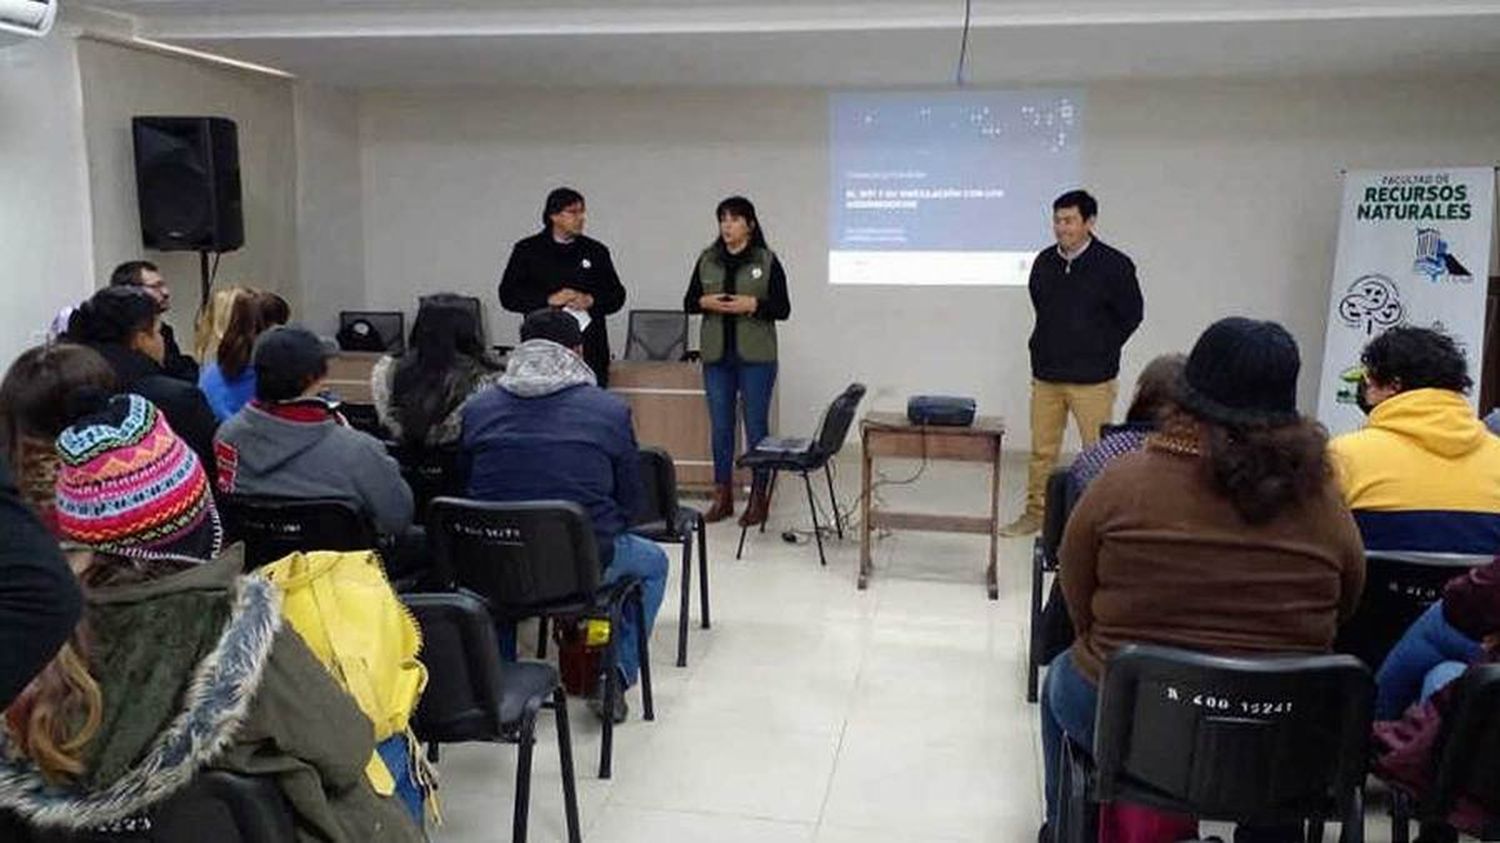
pixel 1423 475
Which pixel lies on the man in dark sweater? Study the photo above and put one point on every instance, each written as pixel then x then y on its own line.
pixel 1087 304
pixel 560 267
pixel 145 275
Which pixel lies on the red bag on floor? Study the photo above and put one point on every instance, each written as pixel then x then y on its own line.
pixel 1121 822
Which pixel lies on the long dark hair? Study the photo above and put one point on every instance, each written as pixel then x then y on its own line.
pixel 1265 471
pixel 739 206
pixel 113 316
pixel 253 312
pixel 437 371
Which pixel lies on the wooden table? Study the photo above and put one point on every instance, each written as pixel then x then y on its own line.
pixel 891 435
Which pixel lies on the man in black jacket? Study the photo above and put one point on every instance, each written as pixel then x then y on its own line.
pixel 1087 304
pixel 145 275
pixel 560 267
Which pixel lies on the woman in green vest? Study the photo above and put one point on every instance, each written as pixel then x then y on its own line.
pixel 740 288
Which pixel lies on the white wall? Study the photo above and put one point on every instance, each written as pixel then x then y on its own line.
pixel 1226 195
pixel 330 227
pixel 44 206
pixel 120 82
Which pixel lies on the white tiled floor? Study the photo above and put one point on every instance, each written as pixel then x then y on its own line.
pixel 811 711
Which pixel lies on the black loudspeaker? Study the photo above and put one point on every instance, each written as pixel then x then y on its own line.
pixel 187 179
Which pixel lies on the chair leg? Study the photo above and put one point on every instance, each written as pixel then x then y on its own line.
pixel 565 756
pixel 611 693
pixel 813 506
pixel 770 495
pixel 1033 646
pixel 523 778
pixel 541 637
pixel 1353 830
pixel 1400 817
pixel 643 650
pixel 686 600
pixel 838 518
pixel 739 551
pixel 1315 831
pixel 433 753
pixel 702 572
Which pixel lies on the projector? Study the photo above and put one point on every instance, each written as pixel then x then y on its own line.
pixel 941 410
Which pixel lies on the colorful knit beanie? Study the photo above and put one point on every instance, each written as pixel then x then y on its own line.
pixel 129 485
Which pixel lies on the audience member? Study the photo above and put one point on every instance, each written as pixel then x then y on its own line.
pixel 145 276
pixel 124 325
pixel 549 432
pixel 34 408
pixel 1424 473
pixel 290 442
pixel 418 394
pixel 228 381
pixel 39 598
pixel 213 321
pixel 1155 400
pixel 1242 545
pixel 1440 644
pixel 180 664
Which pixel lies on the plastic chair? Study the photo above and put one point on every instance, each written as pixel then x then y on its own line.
pixel 430 472
pixel 537 559
pixel 656 335
pixel 805 457
pixel 1044 561
pixel 1463 759
pixel 216 805
pixel 472 696
pixel 363 418
pixel 372 330
pixel 1398 589
pixel 272 528
pixel 1274 740
pixel 666 521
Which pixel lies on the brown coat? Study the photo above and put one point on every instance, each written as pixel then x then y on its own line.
pixel 1153 553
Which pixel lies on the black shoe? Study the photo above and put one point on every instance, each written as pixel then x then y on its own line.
pixel 596 704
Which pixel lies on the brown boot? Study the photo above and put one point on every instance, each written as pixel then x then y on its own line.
pixel 723 505
pixel 758 507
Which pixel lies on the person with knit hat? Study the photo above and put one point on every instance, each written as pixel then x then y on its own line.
pixel 180 664
pixel 1243 545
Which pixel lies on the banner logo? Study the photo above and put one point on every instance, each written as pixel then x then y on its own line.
pixel 1373 301
pixel 1435 261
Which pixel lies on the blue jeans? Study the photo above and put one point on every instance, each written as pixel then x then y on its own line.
pixel 725 382
pixel 1069 701
pixel 1427 645
pixel 633 556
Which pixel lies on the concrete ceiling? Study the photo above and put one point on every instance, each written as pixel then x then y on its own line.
pixel 386 43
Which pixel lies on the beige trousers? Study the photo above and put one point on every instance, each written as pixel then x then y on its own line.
pixel 1091 404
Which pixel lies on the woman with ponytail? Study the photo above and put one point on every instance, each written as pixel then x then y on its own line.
pixel 180 664
pixel 123 325
pixel 228 381
pixel 1226 534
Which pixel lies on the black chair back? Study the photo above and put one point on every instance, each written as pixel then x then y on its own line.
pixel 1055 517
pixel 517 556
pixel 430 472
pixel 462 655
pixel 1269 739
pixel 372 330
pixel 275 527
pixel 656 335
pixel 837 419
pixel 363 418
pixel 1398 588
pixel 659 487
pixel 216 805
pixel 1469 744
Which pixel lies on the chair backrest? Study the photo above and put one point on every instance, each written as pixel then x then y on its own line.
pixel 656 335
pixel 1268 739
pixel 1470 742
pixel 274 527
pixel 659 487
pixel 834 428
pixel 1055 516
pixel 516 556
pixel 216 805
pixel 430 472
pixel 462 655
pixel 1398 588
pixel 372 330
pixel 363 418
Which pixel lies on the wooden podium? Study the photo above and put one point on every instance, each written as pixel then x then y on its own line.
pixel 670 409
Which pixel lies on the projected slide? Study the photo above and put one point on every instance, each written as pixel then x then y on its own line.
pixel 947 188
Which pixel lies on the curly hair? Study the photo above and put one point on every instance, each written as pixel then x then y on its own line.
pixel 1408 357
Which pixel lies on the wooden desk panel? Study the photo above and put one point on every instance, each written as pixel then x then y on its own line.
pixel 670 408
